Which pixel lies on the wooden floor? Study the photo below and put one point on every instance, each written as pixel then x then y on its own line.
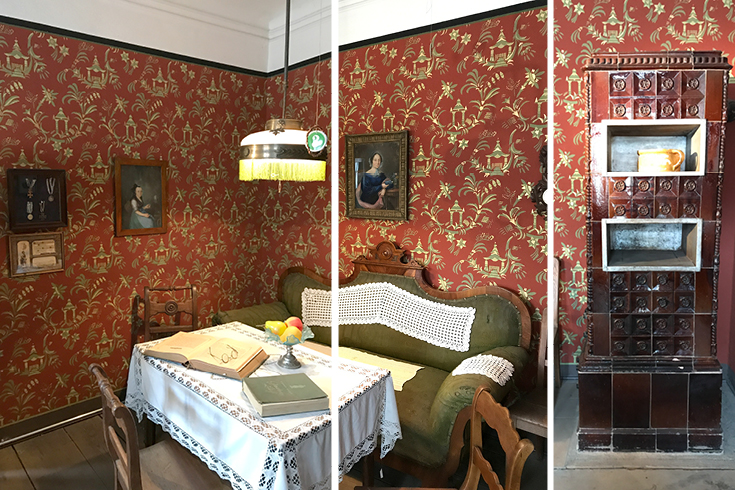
pixel 74 458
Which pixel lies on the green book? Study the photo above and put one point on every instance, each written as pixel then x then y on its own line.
pixel 284 394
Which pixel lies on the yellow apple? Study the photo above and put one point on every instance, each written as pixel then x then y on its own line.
pixel 294 321
pixel 291 331
pixel 275 327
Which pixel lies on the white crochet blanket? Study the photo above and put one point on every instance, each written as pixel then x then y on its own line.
pixel 381 302
pixel 496 368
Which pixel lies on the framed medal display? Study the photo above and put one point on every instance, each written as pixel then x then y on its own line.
pixel 36 199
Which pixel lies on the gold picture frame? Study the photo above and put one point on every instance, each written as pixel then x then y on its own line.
pixel 36 253
pixel 377 175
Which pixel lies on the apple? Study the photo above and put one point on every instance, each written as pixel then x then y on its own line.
pixel 291 331
pixel 294 321
pixel 276 327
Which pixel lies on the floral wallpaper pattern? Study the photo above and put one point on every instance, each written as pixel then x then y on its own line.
pixel 473 100
pixel 76 105
pixel 582 29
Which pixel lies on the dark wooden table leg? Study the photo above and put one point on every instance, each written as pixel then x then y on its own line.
pixel 368 468
pixel 149 432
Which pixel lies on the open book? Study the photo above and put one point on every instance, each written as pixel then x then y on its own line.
pixel 218 355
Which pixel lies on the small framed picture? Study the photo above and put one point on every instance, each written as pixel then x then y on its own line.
pixel 377 175
pixel 141 197
pixel 37 253
pixel 36 199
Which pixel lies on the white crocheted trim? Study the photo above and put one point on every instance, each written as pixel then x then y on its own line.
pixel 316 307
pixel 496 368
pixel 380 302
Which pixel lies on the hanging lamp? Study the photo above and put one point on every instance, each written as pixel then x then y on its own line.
pixel 284 151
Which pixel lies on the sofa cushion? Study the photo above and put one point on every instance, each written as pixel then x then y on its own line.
pixel 427 429
pixel 429 402
pixel 414 407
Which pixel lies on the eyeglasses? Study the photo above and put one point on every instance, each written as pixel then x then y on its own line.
pixel 225 358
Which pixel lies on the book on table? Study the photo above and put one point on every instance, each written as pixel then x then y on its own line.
pixel 218 355
pixel 284 394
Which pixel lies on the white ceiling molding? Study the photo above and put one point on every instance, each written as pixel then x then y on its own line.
pixel 124 21
pixel 242 33
pixel 311 33
pixel 360 20
pixel 231 18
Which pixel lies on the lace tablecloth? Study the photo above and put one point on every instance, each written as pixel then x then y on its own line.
pixel 210 416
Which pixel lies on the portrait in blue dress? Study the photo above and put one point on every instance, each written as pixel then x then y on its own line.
pixel 373 184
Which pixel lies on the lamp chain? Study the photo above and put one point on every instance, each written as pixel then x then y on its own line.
pixel 285 55
pixel 286 42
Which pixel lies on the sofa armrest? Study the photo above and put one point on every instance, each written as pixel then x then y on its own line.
pixel 253 315
pixel 457 392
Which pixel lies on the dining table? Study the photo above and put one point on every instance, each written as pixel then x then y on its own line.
pixel 211 416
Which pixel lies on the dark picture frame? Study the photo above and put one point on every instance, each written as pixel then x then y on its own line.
pixel 37 253
pixel 366 184
pixel 36 199
pixel 141 197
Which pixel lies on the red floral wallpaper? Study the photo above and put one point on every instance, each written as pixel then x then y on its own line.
pixel 473 100
pixel 580 30
pixel 76 105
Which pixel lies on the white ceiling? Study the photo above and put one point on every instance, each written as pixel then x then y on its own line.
pixel 242 33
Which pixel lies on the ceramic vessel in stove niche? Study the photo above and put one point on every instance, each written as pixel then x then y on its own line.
pixel 648 377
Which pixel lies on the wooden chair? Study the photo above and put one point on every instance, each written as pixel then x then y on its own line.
pixel 529 413
pixel 516 449
pixel 157 302
pixel 165 465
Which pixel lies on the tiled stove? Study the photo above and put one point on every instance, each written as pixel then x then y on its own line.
pixel 648 378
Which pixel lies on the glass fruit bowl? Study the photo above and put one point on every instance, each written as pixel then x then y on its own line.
pixel 288 360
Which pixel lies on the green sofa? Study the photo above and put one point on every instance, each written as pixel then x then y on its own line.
pixel 433 406
pixel 290 285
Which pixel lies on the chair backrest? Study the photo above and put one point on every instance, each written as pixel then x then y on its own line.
pixel 166 302
pixel 118 419
pixel 516 449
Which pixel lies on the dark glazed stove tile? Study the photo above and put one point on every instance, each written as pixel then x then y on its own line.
pixel 634 442
pixel 669 396
pixel 631 396
pixel 705 400
pixel 593 441
pixel 671 441
pixel 594 401
pixel 705 443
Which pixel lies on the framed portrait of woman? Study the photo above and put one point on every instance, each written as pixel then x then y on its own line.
pixel 141 197
pixel 377 175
